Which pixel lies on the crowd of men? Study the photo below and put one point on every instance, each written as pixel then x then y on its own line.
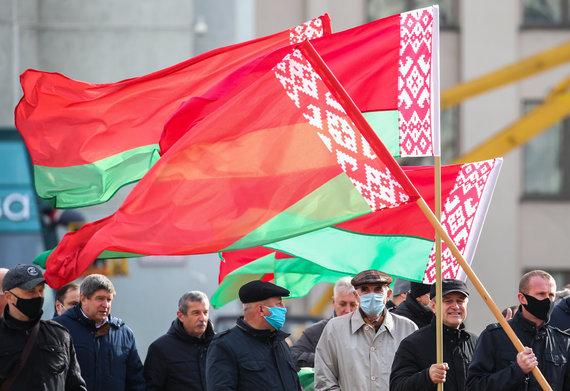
pixel 369 342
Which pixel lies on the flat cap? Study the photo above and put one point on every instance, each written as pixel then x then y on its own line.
pixel 400 286
pixel 258 290
pixel 449 285
pixel 371 277
pixel 418 289
pixel 23 277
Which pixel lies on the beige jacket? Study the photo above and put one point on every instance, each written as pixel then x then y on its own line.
pixel 350 356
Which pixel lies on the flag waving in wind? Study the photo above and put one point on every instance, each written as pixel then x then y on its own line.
pixel 289 154
pixel 398 241
pixel 389 67
pixel 87 140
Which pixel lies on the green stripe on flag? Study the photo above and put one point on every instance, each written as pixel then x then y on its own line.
pixel 386 126
pixel 295 274
pixel 350 253
pixel 334 202
pixel 90 184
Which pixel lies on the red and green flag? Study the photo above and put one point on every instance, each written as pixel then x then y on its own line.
pixel 389 67
pixel 398 241
pixel 87 140
pixel 289 154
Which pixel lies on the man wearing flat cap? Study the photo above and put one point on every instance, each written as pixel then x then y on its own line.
pixel 34 354
pixel 356 350
pixel 415 366
pixel 253 355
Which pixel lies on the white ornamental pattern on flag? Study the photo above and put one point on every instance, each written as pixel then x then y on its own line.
pixel 414 83
pixel 369 175
pixel 308 30
pixel 458 216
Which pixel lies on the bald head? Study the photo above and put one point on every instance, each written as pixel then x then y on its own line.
pixel 3 301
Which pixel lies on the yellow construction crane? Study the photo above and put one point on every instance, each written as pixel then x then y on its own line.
pixel 555 107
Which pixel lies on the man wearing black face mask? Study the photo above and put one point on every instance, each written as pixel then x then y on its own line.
pixel 496 365
pixel 34 354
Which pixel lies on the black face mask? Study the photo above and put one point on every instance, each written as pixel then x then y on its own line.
pixel 32 308
pixel 539 308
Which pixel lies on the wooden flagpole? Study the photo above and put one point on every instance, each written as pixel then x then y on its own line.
pixel 438 281
pixel 480 288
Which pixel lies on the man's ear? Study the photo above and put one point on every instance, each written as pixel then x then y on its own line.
pixel 522 299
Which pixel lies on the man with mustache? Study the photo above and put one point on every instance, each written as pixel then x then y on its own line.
pixel 177 360
pixel 497 365
pixel 105 345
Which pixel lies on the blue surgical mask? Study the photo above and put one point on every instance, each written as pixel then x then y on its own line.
pixel 372 303
pixel 277 317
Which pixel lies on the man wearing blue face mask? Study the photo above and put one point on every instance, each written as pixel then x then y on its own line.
pixel 253 355
pixel 356 350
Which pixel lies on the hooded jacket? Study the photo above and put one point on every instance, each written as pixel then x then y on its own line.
pixel 413 310
pixel 108 360
pixel 177 361
pixel 247 359
pixel 560 316
pixel 51 365
pixel 416 353
pixel 494 365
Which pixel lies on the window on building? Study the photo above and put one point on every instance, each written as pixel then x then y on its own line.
pixel 378 9
pixel 546 163
pixel 545 13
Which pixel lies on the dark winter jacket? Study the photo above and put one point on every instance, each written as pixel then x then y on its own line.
pixel 247 359
pixel 417 313
pixel 177 361
pixel 108 360
pixel 303 351
pixel 51 364
pixel 561 315
pixel 410 368
pixel 494 365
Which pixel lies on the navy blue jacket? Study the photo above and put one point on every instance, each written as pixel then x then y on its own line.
pixel 108 362
pixel 177 361
pixel 247 359
pixel 494 365
pixel 561 315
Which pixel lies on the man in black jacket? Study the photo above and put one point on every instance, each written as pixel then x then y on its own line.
pixel 496 363
pixel 51 363
pixel 415 367
pixel 253 355
pixel 416 305
pixel 177 360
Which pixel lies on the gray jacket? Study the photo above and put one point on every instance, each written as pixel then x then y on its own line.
pixel 303 351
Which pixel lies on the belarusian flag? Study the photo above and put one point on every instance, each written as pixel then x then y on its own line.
pixel 289 154
pixel 398 241
pixel 389 67
pixel 87 140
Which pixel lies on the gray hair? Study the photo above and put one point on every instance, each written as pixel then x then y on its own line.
pixel 94 282
pixel 195 296
pixel 345 286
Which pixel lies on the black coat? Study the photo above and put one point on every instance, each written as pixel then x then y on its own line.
pixel 417 352
pixel 177 361
pixel 247 359
pixel 494 365
pixel 561 315
pixel 51 365
pixel 417 313
pixel 303 351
